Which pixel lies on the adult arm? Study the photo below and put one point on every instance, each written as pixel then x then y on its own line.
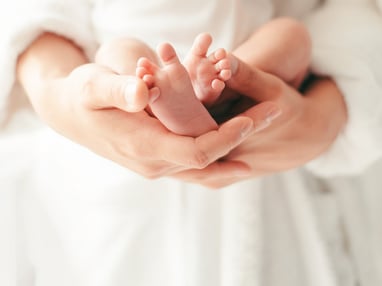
pixel 85 102
pixel 347 46
pixel 306 128
pixel 338 126
pixel 23 21
pixel 80 100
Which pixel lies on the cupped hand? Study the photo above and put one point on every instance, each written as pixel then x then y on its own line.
pixel 84 107
pixel 152 150
pixel 308 125
pixel 91 104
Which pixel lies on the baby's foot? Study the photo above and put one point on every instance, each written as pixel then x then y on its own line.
pixel 176 104
pixel 208 73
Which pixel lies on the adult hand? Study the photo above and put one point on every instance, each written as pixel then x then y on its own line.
pixel 87 103
pixel 306 128
pixel 186 152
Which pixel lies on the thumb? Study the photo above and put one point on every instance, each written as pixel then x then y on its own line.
pixel 252 82
pixel 135 94
pixel 128 93
pixel 103 88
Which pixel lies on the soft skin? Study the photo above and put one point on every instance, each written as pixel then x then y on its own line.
pixel 85 102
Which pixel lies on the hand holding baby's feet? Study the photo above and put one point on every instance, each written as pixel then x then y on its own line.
pixel 208 73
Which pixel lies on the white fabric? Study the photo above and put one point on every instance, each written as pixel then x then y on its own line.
pixel 343 50
pixel 22 21
pixel 354 150
pixel 82 220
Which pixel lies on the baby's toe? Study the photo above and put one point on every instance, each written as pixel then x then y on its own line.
pixel 201 45
pixel 217 56
pixel 149 80
pixel 225 74
pixel 217 85
pixel 141 72
pixel 147 64
pixel 223 65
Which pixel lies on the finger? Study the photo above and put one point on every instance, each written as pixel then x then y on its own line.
pixel 217 175
pixel 263 114
pixel 216 144
pixel 157 143
pixel 205 149
pixel 252 82
pixel 105 89
pixel 124 92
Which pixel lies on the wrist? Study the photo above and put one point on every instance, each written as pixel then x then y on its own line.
pixel 326 109
pixel 49 57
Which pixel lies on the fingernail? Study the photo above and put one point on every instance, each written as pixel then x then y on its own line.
pixel 246 130
pixel 272 115
pixel 262 125
pixel 131 92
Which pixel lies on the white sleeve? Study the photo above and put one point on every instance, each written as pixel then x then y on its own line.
pixel 22 21
pixel 347 46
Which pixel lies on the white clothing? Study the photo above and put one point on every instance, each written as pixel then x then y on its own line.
pixel 82 220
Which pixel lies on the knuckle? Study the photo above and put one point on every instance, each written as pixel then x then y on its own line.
pixel 200 159
pixel 151 172
pixel 89 88
pixel 136 151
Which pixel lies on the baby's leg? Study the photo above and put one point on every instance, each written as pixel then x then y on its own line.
pixel 177 106
pixel 281 47
pixel 124 54
pixel 121 55
pixel 208 73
